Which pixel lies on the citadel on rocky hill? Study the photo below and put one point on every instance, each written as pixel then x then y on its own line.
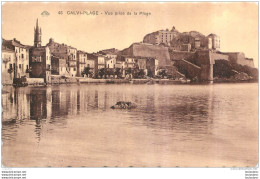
pixel 185 41
pixel 192 54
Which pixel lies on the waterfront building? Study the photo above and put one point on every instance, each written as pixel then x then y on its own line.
pixel 90 64
pixel 99 63
pixel 110 63
pixel 21 58
pixel 81 62
pixel 58 66
pixel 120 65
pixel 72 61
pixel 40 63
pixel 110 57
pixel 65 52
pixel 130 61
pixel 8 65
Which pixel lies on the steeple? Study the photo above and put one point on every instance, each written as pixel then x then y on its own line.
pixel 37 35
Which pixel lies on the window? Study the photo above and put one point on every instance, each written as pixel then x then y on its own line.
pixel 20 66
pixel 22 56
pixel 10 66
pixel 74 69
pixel 27 67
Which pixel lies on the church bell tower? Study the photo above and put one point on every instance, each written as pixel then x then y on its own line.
pixel 37 35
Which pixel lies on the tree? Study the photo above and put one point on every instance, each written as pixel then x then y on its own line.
pixel 162 73
pixel 141 73
pixel 110 72
pixel 118 72
pixel 86 71
pixel 101 72
pixel 138 73
pixel 128 71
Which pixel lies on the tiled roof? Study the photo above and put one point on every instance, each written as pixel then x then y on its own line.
pixel 13 42
pixel 4 48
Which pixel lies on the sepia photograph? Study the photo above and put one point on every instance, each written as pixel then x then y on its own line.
pixel 129 84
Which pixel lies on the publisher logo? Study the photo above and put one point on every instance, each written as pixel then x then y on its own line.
pixel 45 13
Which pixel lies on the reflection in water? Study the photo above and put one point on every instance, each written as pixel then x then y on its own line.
pixel 171 113
pixel 38 109
pixel 52 105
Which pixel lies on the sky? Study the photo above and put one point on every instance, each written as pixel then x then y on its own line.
pixel 235 22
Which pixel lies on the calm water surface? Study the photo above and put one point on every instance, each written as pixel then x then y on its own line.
pixel 173 125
